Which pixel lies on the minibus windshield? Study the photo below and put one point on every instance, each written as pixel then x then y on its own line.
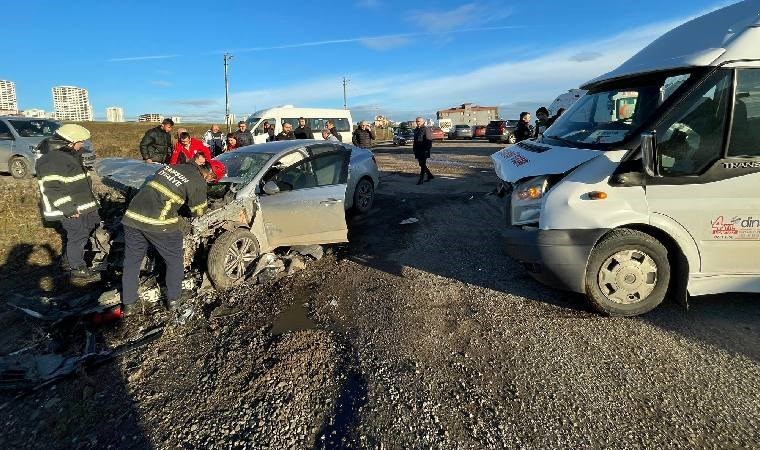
pixel 609 116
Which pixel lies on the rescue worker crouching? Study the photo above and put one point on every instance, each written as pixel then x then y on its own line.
pixel 66 192
pixel 152 219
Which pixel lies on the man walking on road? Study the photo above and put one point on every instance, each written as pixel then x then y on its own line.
pixel 302 131
pixel 156 144
pixel 242 135
pixel 423 143
pixel 363 136
pixel 67 193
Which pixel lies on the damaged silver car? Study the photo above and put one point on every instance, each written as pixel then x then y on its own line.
pixel 278 194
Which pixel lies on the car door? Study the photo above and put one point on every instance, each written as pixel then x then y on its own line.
pixel 310 207
pixel 709 162
pixel 6 145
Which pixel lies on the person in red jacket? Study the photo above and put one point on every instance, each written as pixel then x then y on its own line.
pixel 186 148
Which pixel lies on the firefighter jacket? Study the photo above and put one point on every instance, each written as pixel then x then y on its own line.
pixel 156 206
pixel 64 182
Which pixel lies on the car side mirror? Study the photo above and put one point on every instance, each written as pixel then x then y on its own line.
pixel 649 154
pixel 271 188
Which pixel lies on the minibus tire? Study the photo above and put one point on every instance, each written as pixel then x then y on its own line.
pixel 611 245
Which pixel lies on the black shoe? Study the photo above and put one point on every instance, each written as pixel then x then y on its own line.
pixel 172 304
pixel 419 182
pixel 84 273
pixel 430 177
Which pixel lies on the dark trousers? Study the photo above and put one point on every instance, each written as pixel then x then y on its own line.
pixel 424 168
pixel 78 231
pixel 168 245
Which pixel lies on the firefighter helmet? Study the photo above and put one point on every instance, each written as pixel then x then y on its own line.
pixel 73 133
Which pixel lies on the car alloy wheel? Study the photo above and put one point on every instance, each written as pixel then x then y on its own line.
pixel 240 254
pixel 18 168
pixel 364 196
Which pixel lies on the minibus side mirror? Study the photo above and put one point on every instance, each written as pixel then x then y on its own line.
pixel 649 154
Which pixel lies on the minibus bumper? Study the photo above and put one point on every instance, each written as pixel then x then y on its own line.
pixel 556 258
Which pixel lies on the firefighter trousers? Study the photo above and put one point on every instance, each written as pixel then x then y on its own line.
pixel 169 247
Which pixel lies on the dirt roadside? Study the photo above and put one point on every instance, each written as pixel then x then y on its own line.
pixel 413 336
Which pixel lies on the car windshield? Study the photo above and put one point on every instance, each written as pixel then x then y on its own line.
pixel 609 116
pixel 242 166
pixel 34 128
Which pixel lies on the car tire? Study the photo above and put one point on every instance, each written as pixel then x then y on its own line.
pixel 18 168
pixel 511 139
pixel 230 256
pixel 628 273
pixel 364 196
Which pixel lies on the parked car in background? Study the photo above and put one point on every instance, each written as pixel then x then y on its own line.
pixel 479 131
pixel 501 131
pixel 403 136
pixel 19 137
pixel 277 194
pixel 438 134
pixel 460 132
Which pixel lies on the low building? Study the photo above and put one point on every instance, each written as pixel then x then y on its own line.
pixel 469 114
pixel 35 113
pixel 381 122
pixel 176 119
pixel 151 117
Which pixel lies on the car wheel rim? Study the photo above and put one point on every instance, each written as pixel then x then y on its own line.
pixel 365 195
pixel 18 168
pixel 239 256
pixel 627 277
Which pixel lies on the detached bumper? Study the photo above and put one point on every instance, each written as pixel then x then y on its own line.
pixel 556 258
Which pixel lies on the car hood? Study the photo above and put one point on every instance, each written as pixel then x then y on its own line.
pixel 123 173
pixel 529 160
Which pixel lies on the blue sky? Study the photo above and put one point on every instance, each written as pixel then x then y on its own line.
pixel 403 58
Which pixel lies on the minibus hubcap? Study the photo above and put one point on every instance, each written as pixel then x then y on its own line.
pixel 628 276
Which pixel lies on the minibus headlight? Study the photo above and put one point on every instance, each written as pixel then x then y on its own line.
pixel 526 200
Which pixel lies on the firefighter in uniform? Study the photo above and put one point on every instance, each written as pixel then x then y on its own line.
pixel 152 218
pixel 67 193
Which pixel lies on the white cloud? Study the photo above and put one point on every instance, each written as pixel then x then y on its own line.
pixel 385 43
pixel 467 14
pixel 161 83
pixel 141 58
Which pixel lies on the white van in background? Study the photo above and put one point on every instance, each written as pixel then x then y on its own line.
pixel 648 184
pixel 316 118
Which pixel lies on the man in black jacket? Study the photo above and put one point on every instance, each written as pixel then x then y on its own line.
pixel 156 144
pixel 363 136
pixel 242 135
pixel 67 193
pixel 524 129
pixel 423 143
pixel 152 219
pixel 303 131
pixel 286 134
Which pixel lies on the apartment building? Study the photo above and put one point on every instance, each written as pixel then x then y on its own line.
pixel 71 103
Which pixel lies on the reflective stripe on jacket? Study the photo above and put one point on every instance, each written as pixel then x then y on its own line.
pixel 64 183
pixel 156 206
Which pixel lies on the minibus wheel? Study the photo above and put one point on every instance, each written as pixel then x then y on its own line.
pixel 627 274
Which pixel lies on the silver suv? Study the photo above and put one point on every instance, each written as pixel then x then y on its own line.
pixel 19 138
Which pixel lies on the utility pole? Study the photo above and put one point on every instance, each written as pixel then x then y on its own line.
pixel 345 100
pixel 227 58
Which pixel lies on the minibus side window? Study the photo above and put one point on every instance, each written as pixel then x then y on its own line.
pixel 690 138
pixel 745 131
pixel 260 128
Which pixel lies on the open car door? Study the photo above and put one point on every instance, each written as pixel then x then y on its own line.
pixel 305 202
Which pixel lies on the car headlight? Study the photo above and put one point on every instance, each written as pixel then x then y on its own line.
pixel 526 200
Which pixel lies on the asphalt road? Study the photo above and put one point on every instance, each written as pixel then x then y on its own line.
pixel 421 335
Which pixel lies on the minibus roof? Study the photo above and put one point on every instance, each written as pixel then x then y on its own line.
pixel 731 33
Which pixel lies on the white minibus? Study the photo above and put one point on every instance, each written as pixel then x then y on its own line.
pixel 316 118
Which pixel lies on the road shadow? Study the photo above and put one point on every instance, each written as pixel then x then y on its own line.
pixel 457 236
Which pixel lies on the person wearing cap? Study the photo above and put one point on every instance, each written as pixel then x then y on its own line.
pixel 66 192
pixel 363 136
pixel 243 136
pixel 303 131
pixel 156 144
pixel 152 220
